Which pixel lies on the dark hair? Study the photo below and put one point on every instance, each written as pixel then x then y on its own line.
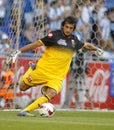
pixel 70 20
pixel 53 2
pixel 107 12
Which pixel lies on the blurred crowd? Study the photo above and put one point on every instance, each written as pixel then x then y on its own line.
pixel 24 21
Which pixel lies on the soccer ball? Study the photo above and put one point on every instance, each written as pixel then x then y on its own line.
pixel 47 110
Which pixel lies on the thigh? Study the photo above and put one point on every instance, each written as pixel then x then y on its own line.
pixel 36 77
pixel 33 77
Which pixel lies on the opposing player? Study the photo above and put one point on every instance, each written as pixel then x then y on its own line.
pixel 52 68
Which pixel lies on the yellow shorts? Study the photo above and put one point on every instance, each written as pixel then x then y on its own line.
pixel 37 77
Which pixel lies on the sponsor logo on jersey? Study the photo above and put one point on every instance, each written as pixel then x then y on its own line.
pixel 50 35
pixel 62 42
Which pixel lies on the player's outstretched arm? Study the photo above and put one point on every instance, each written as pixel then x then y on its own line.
pixel 30 46
pixel 91 47
pixel 12 57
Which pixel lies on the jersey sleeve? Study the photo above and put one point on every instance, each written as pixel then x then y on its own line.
pixel 48 40
pixel 78 44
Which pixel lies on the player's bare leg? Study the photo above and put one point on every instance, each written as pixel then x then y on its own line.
pixel 48 94
pixel 23 86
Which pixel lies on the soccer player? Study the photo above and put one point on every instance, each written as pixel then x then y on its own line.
pixel 53 66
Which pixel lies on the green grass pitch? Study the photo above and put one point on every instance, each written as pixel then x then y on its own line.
pixel 62 120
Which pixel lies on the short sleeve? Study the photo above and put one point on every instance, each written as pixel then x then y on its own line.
pixel 48 40
pixel 79 44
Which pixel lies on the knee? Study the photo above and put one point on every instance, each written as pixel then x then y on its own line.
pixel 51 93
pixel 23 86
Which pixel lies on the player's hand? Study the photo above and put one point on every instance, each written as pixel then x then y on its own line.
pixel 12 57
pixel 99 52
